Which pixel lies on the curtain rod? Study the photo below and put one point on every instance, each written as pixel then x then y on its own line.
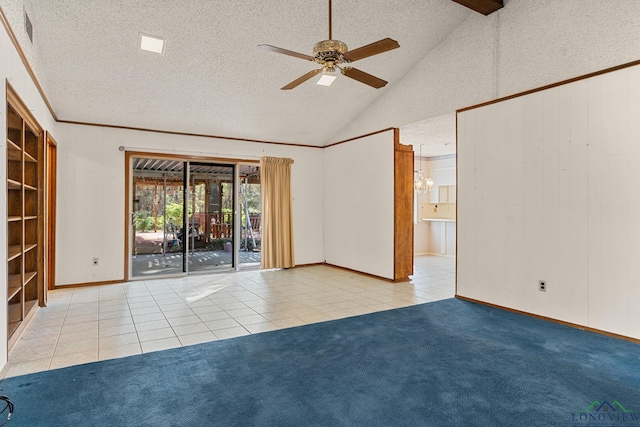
pixel 187 152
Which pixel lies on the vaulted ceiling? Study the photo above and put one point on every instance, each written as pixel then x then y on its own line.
pixel 211 78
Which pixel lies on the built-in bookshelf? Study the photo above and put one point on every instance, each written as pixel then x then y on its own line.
pixel 24 215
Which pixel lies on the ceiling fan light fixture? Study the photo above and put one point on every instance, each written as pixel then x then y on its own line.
pixel 331 54
pixel 326 80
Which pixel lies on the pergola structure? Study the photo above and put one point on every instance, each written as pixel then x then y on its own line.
pixel 209 220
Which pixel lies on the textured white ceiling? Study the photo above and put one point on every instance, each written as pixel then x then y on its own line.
pixel 212 79
pixel 437 136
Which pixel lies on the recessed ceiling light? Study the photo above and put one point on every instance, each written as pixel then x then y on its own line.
pixel 151 43
pixel 326 80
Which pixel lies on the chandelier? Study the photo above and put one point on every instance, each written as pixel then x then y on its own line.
pixel 421 183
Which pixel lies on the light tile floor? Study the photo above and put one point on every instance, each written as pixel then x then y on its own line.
pixel 82 325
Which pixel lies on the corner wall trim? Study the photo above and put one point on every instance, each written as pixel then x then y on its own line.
pixel 200 135
pixel 550 319
pixel 87 284
pixel 386 279
pixel 550 86
pixel 358 137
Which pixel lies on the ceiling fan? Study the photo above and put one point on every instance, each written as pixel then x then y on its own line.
pixel 331 54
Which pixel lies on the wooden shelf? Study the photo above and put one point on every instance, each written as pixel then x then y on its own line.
pixel 13 252
pixel 15 313
pixel 14 155
pixel 12 291
pixel 28 275
pixel 12 146
pixel 29 158
pixel 25 210
pixel 14 280
pixel 13 185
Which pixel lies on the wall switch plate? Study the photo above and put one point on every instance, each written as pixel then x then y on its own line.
pixel 542 286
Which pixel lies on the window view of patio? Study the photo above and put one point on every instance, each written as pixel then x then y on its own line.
pixel 167 243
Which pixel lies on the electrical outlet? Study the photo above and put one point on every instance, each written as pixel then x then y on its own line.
pixel 542 286
pixel 95 261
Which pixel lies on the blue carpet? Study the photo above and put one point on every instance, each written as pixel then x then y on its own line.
pixel 449 363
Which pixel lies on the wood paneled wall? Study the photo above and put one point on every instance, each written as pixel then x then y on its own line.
pixel 546 191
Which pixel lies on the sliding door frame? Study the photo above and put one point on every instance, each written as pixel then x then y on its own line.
pixel 128 200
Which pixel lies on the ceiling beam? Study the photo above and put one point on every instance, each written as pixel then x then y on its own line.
pixel 485 7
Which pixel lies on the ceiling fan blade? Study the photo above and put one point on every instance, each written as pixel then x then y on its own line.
pixel 371 49
pixel 363 77
pixel 302 79
pixel 286 52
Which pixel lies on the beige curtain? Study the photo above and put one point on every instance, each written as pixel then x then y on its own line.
pixel 277 215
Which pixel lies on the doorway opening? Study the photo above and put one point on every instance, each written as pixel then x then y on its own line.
pixel 190 217
pixel 435 203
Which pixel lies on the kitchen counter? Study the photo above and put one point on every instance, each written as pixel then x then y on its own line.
pixel 442 235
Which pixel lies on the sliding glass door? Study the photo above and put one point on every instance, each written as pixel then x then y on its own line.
pixel 186 217
pixel 158 203
pixel 210 239
pixel 251 217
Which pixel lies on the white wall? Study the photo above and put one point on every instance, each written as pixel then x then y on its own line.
pixel 546 191
pixel 12 70
pixel 91 201
pixel 525 45
pixel 359 204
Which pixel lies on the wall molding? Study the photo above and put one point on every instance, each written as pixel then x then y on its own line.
pixel 551 319
pixel 25 62
pixel 549 86
pixel 199 135
pixel 85 284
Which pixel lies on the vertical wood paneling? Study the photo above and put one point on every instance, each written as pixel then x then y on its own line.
pixel 491 240
pixel 475 195
pixel 615 203
pixel 634 200
pixel 534 205
pixel 551 176
pixel 594 179
pixel 466 247
pixel 515 199
pixel 478 229
pixel 498 211
pixel 552 234
pixel 561 285
pixel 577 275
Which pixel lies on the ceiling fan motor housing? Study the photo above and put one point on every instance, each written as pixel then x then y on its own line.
pixel 330 52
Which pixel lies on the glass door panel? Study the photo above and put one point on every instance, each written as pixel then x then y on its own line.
pixel 210 240
pixel 157 218
pixel 251 217
pixel 183 217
